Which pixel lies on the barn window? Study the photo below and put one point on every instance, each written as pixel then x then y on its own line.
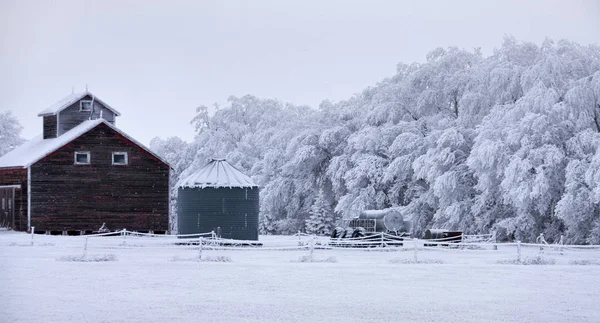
pixel 119 159
pixel 85 105
pixel 82 158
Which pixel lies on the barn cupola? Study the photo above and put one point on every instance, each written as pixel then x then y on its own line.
pixel 72 110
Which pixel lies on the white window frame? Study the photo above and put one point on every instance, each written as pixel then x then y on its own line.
pixel 81 103
pixel 89 158
pixel 120 153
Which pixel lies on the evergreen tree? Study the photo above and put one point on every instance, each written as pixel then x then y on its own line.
pixel 321 218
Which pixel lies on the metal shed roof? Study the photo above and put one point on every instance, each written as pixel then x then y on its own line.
pixel 217 173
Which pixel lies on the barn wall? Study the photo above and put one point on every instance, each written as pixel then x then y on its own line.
pixel 50 127
pixel 17 176
pixel 71 117
pixel 82 197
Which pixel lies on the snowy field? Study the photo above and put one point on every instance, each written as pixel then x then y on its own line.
pixel 154 280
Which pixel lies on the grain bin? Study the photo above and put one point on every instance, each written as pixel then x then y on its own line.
pixel 218 198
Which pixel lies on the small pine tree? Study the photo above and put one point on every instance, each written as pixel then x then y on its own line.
pixel 321 219
pixel 266 223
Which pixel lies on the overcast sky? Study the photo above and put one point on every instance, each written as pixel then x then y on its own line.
pixel 156 61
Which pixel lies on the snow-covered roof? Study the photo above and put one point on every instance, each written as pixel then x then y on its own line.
pixel 69 100
pixel 34 150
pixel 217 173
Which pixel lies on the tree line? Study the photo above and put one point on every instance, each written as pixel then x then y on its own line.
pixel 506 143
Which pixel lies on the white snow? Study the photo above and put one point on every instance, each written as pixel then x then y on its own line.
pixel 217 173
pixel 69 100
pixel 145 284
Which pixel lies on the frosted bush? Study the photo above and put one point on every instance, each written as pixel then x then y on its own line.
pixel 204 259
pixel 14 244
pixel 314 259
pixel 89 258
pixel 584 262
pixel 412 261
pixel 538 260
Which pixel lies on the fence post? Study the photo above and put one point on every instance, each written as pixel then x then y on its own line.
pixel 416 254
pixel 199 248
pixel 32 232
pixel 85 246
pixel 518 250
pixel 540 240
pixel 561 242
pixel 311 249
pixel 124 233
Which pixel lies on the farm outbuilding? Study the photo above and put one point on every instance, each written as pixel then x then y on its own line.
pixel 83 172
pixel 219 198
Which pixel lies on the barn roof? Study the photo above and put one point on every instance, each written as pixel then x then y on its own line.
pixel 69 100
pixel 217 173
pixel 37 148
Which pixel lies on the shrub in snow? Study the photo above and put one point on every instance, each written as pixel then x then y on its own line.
pixel 538 260
pixel 313 259
pixel 420 261
pixel 129 245
pixel 89 258
pixel 584 262
pixel 14 244
pixel 204 259
pixel 471 247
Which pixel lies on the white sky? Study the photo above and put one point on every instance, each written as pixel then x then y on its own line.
pixel 156 61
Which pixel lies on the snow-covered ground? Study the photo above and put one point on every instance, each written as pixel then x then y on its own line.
pixel 153 280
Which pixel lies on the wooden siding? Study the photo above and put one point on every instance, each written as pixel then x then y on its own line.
pixel 71 117
pixel 66 196
pixel 50 127
pixel 17 176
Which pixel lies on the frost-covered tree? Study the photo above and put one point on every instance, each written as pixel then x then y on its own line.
pixel 321 219
pixel 10 132
pixel 180 155
pixel 506 142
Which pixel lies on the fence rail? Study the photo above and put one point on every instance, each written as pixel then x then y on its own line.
pixel 464 246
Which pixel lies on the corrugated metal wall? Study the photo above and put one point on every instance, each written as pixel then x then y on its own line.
pixel 233 210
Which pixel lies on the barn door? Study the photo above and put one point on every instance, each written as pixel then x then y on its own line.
pixel 7 207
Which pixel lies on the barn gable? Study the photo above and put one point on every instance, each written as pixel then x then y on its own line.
pixel 68 194
pixel 38 148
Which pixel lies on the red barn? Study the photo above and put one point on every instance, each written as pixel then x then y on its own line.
pixel 82 172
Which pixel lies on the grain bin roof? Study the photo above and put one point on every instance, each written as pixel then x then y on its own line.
pixel 218 173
